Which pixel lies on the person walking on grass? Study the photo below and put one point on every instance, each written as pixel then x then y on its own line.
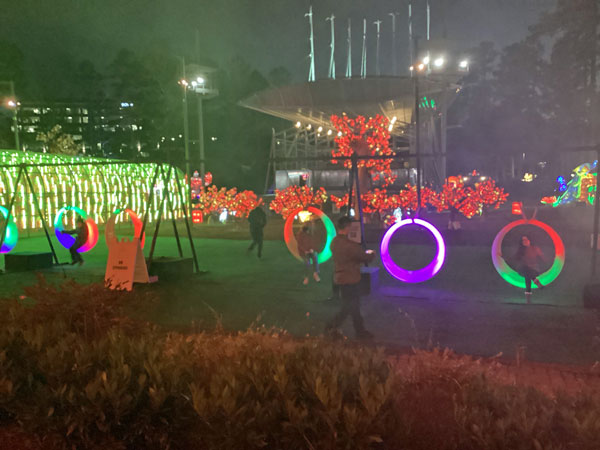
pixel 347 259
pixel 257 219
pixel 306 249
pixel 81 232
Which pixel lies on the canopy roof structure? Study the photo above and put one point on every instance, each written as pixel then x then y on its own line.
pixel 315 102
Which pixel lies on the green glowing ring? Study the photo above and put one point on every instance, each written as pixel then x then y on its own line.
pixel 290 239
pixel 512 276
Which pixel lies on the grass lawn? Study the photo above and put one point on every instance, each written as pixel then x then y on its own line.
pixel 467 306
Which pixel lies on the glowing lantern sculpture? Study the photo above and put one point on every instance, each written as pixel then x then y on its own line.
pixel 517 208
pixel 12 233
pixel 66 240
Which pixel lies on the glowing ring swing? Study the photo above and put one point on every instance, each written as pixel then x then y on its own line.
pixel 413 276
pixel 290 239
pixel 12 233
pixel 109 232
pixel 512 276
pixel 66 240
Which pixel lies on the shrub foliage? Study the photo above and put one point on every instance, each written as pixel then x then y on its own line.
pixel 77 373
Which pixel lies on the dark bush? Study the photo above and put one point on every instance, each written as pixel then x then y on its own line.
pixel 77 372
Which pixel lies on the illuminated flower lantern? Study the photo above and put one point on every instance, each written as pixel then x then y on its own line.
pixel 11 234
pixel 66 240
pixel 208 179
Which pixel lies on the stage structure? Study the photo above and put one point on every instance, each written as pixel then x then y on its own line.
pixel 303 150
pixel 305 147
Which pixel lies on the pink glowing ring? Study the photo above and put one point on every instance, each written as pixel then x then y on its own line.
pixel 413 276
pixel 109 231
pixel 290 239
pixel 66 240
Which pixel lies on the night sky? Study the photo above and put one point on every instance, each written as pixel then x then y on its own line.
pixel 267 33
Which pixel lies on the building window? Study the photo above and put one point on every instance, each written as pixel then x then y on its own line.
pixel 85 119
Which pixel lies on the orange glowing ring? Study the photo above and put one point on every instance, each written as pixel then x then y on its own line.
pixel 109 232
pixel 290 239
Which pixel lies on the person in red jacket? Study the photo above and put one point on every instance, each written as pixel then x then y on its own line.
pixel 306 249
pixel 347 259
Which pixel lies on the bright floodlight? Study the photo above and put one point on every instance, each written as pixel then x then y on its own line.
pixel 426 60
pixel 463 64
pixel 12 103
pixel 421 66
pixel 439 62
pixel 298 124
pixel 411 68
pixel 200 80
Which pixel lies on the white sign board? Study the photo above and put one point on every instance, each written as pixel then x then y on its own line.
pixel 126 265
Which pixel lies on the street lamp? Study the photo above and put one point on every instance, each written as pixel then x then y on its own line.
pixel 201 85
pixel 439 62
pixel 13 103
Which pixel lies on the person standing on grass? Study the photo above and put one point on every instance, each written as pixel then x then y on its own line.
pixel 306 249
pixel 347 259
pixel 527 260
pixel 81 232
pixel 257 219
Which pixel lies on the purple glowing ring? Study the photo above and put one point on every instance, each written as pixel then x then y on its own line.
pixel 413 276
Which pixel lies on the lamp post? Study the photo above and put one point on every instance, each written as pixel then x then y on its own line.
pixel 14 105
pixel 431 63
pixel 183 82
pixel 201 85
